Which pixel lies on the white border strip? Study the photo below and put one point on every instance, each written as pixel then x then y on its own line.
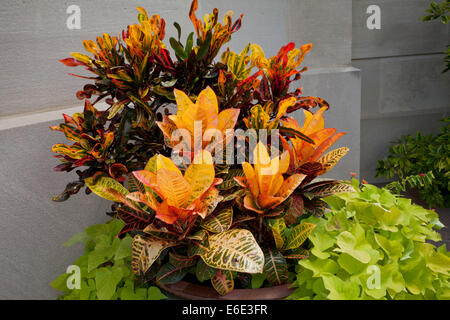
pixel 16 121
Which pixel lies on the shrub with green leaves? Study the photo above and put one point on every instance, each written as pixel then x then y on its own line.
pixel 105 268
pixel 371 233
pixel 420 154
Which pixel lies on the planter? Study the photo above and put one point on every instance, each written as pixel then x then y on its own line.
pixel 192 291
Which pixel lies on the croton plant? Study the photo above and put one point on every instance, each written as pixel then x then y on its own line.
pixel 218 219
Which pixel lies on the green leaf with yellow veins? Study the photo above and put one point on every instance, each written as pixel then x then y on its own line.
pixel 107 188
pixel 297 235
pixel 278 228
pixel 203 271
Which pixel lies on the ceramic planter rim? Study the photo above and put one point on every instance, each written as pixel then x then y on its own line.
pixel 193 291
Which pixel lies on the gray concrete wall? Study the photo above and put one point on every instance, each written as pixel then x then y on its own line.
pixel 36 89
pixel 403 90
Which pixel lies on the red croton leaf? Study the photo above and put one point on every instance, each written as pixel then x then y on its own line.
pixel 311 170
pixel 117 170
pixel 134 220
pixel 71 62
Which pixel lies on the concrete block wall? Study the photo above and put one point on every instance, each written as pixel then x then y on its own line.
pixel 36 89
pixel 403 90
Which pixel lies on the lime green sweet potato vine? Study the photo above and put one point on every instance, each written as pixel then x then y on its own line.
pixel 105 268
pixel 373 245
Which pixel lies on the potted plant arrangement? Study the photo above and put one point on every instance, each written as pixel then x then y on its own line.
pixel 193 212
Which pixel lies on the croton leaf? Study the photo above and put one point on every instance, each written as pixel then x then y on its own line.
pixel 133 219
pixel 223 282
pixel 203 271
pixel 117 107
pixel 330 159
pixel 234 250
pixel 278 228
pixel 228 179
pixel 200 175
pixel 298 254
pixel 105 187
pixel 275 267
pixel 290 132
pixel 315 207
pixel 170 274
pixel 134 185
pixel 218 222
pixel 200 243
pixel 145 250
pixel 296 209
pixel 328 189
pixel 178 260
pixel 297 235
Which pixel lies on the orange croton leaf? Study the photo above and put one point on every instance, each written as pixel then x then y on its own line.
pixel 182 195
pixel 205 111
pixel 264 181
pixel 302 152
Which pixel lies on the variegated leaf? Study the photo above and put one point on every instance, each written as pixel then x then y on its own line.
pixel 134 185
pixel 297 235
pixel 234 195
pixel 145 250
pixel 223 282
pixel 234 250
pixel 315 207
pixel 275 267
pixel 170 274
pixel 298 254
pixel 218 222
pixel 203 271
pixel 296 209
pixel 330 159
pixel 278 228
pixel 116 108
pixel 199 247
pixel 210 200
pixel 181 261
pixel 228 179
pixel 198 236
pixel 102 188
pixel 325 190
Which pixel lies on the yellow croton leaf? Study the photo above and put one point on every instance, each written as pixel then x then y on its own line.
pixel 200 175
pixel 266 185
pixel 301 151
pixel 204 111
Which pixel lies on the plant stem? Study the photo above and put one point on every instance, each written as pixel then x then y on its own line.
pixel 260 229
